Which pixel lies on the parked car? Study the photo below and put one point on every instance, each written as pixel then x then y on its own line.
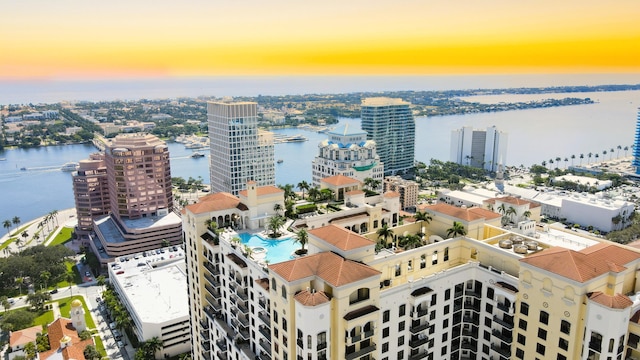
pixel 54 291
pixel 120 344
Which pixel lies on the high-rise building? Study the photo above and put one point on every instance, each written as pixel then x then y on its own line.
pixel 347 152
pixel 240 152
pixel 390 123
pixel 485 149
pixel 414 294
pixel 123 197
pixel 636 146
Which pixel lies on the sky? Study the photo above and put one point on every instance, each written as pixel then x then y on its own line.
pixel 89 39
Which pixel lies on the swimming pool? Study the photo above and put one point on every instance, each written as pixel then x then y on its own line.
pixel 277 250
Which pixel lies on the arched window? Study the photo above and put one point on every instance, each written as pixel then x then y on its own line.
pixel 284 291
pixel 359 295
pixel 274 285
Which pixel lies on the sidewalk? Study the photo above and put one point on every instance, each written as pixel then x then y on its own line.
pixel 64 218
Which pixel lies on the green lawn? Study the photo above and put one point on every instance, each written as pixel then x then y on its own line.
pixel 63 236
pixel 45 319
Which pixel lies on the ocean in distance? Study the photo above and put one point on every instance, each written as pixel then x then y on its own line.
pixel 534 135
pixel 56 90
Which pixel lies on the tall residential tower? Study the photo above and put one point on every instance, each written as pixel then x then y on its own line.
pixel 240 152
pixel 636 146
pixel 389 122
pixel 479 148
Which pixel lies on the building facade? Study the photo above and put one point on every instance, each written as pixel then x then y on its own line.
pixel 390 123
pixel 636 146
pixel 408 190
pixel 123 197
pixel 347 152
pixel 240 152
pixel 484 149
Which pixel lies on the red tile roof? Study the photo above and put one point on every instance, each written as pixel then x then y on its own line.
pixel 465 214
pixel 617 301
pixel 513 200
pixel 24 336
pixel 340 237
pixel 340 180
pixel 56 331
pixel 216 202
pixel 308 298
pixel 328 266
pixel 391 194
pixel 585 264
pixel 264 190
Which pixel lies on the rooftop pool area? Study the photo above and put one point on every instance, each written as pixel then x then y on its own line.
pixel 274 251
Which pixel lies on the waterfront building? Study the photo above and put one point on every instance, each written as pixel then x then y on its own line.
pixel 346 151
pixel 240 152
pixel 494 293
pixel 152 286
pixel 636 146
pixel 136 173
pixel 485 149
pixel 390 123
pixel 408 190
pixel 91 192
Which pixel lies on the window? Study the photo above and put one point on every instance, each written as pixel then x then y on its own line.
pixel 561 357
pixel 565 327
pixel 446 254
pixel 522 324
pixel 542 334
pixel 401 341
pixel 385 315
pixel 284 324
pixel 434 297
pixel 445 323
pixel 524 308
pixel 284 292
pixel 400 355
pixel 398 270
pixel 489 308
pixel 385 332
pixel 402 310
pixel 423 261
pixel 447 294
pixel 490 293
pixel 446 309
pixel 401 326
pixel 521 339
pixel 544 317
pixel 540 349
pixel 563 344
pixel 309 344
pixel 443 351
pixel 385 347
pixel 434 258
pixel 445 337
pixel 519 353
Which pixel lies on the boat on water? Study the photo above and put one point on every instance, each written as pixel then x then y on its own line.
pixel 197 155
pixel 295 138
pixel 70 166
pixel 280 161
pixel 3 159
pixel 23 168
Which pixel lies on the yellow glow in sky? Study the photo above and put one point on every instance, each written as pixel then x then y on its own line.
pixel 121 38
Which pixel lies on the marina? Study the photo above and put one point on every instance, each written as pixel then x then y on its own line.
pixel 279 138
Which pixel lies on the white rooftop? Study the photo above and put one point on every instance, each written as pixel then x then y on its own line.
pixel 154 285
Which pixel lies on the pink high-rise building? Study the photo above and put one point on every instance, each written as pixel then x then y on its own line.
pixel 124 200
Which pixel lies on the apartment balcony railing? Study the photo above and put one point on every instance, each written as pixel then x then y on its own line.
pixel 264 317
pixel 501 336
pixel 300 343
pixel 504 307
pixel 262 303
pixel 222 345
pixel 213 269
pixel 419 313
pixel 212 280
pixel 504 352
pixel 418 328
pixel 221 355
pixel 470 332
pixel 265 331
pixel 205 353
pixel 470 320
pixel 361 352
pixel 506 324
pixel 417 342
pixel 265 346
pixel 204 324
pixel 474 293
pixel 472 305
pixel 321 346
pixel 419 355
pixel 466 345
pixel 241 294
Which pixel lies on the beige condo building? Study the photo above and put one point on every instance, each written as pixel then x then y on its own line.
pixel 499 294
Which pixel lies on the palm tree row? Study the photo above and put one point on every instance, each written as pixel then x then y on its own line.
pixel 7 224
pixel 589 155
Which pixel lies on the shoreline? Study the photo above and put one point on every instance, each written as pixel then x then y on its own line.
pixel 64 218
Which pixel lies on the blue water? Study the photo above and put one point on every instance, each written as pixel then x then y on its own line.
pixel 277 250
pixel 534 135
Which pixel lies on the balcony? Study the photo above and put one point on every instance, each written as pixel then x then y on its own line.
pixel 417 341
pixel 222 345
pixel 221 355
pixel 504 307
pixel 501 336
pixel 265 331
pixel 262 303
pixel 205 353
pixel 470 320
pixel 502 322
pixel 206 345
pixel 215 293
pixel 473 293
pixel 466 345
pixel 472 305
pixel 418 328
pixel 210 312
pixel 265 346
pixel 204 324
pixel 212 280
pixel 361 352
pixel 241 294
pixel 264 317
pixel 419 355
pixel 419 313
pixel 470 332
pixel 504 352
pixel 204 334
pixel 264 356
pixel 213 269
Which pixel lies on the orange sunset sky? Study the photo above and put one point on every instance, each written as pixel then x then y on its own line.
pixel 87 39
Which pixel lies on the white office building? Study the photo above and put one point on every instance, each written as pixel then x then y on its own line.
pixel 484 149
pixel 152 285
pixel 240 152
pixel 347 152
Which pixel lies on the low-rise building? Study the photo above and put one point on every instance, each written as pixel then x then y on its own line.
pixel 152 286
pixel 408 190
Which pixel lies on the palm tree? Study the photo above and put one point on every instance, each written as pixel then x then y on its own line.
pixel 610 153
pixel 18 243
pixel 589 155
pixel 526 214
pixel 618 154
pixel 502 209
pixel 626 148
pixel 274 224
pixel 581 157
pixel 456 229
pixel 302 237
pixel 423 216
pixel 16 221
pixel 384 232
pixel 277 208
pixel 69 277
pixel 45 276
pixel 54 216
pixel 604 155
pixel 565 162
pixel 152 346
pixel 303 185
pixel 597 156
pixel 412 242
pixel 25 235
pixel 573 157
pixel 288 191
pixel 4 301
pixel 19 281
pixel 314 193
pixel 510 212
pixel 101 281
pixel 558 159
pixel 544 163
pixel 7 225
